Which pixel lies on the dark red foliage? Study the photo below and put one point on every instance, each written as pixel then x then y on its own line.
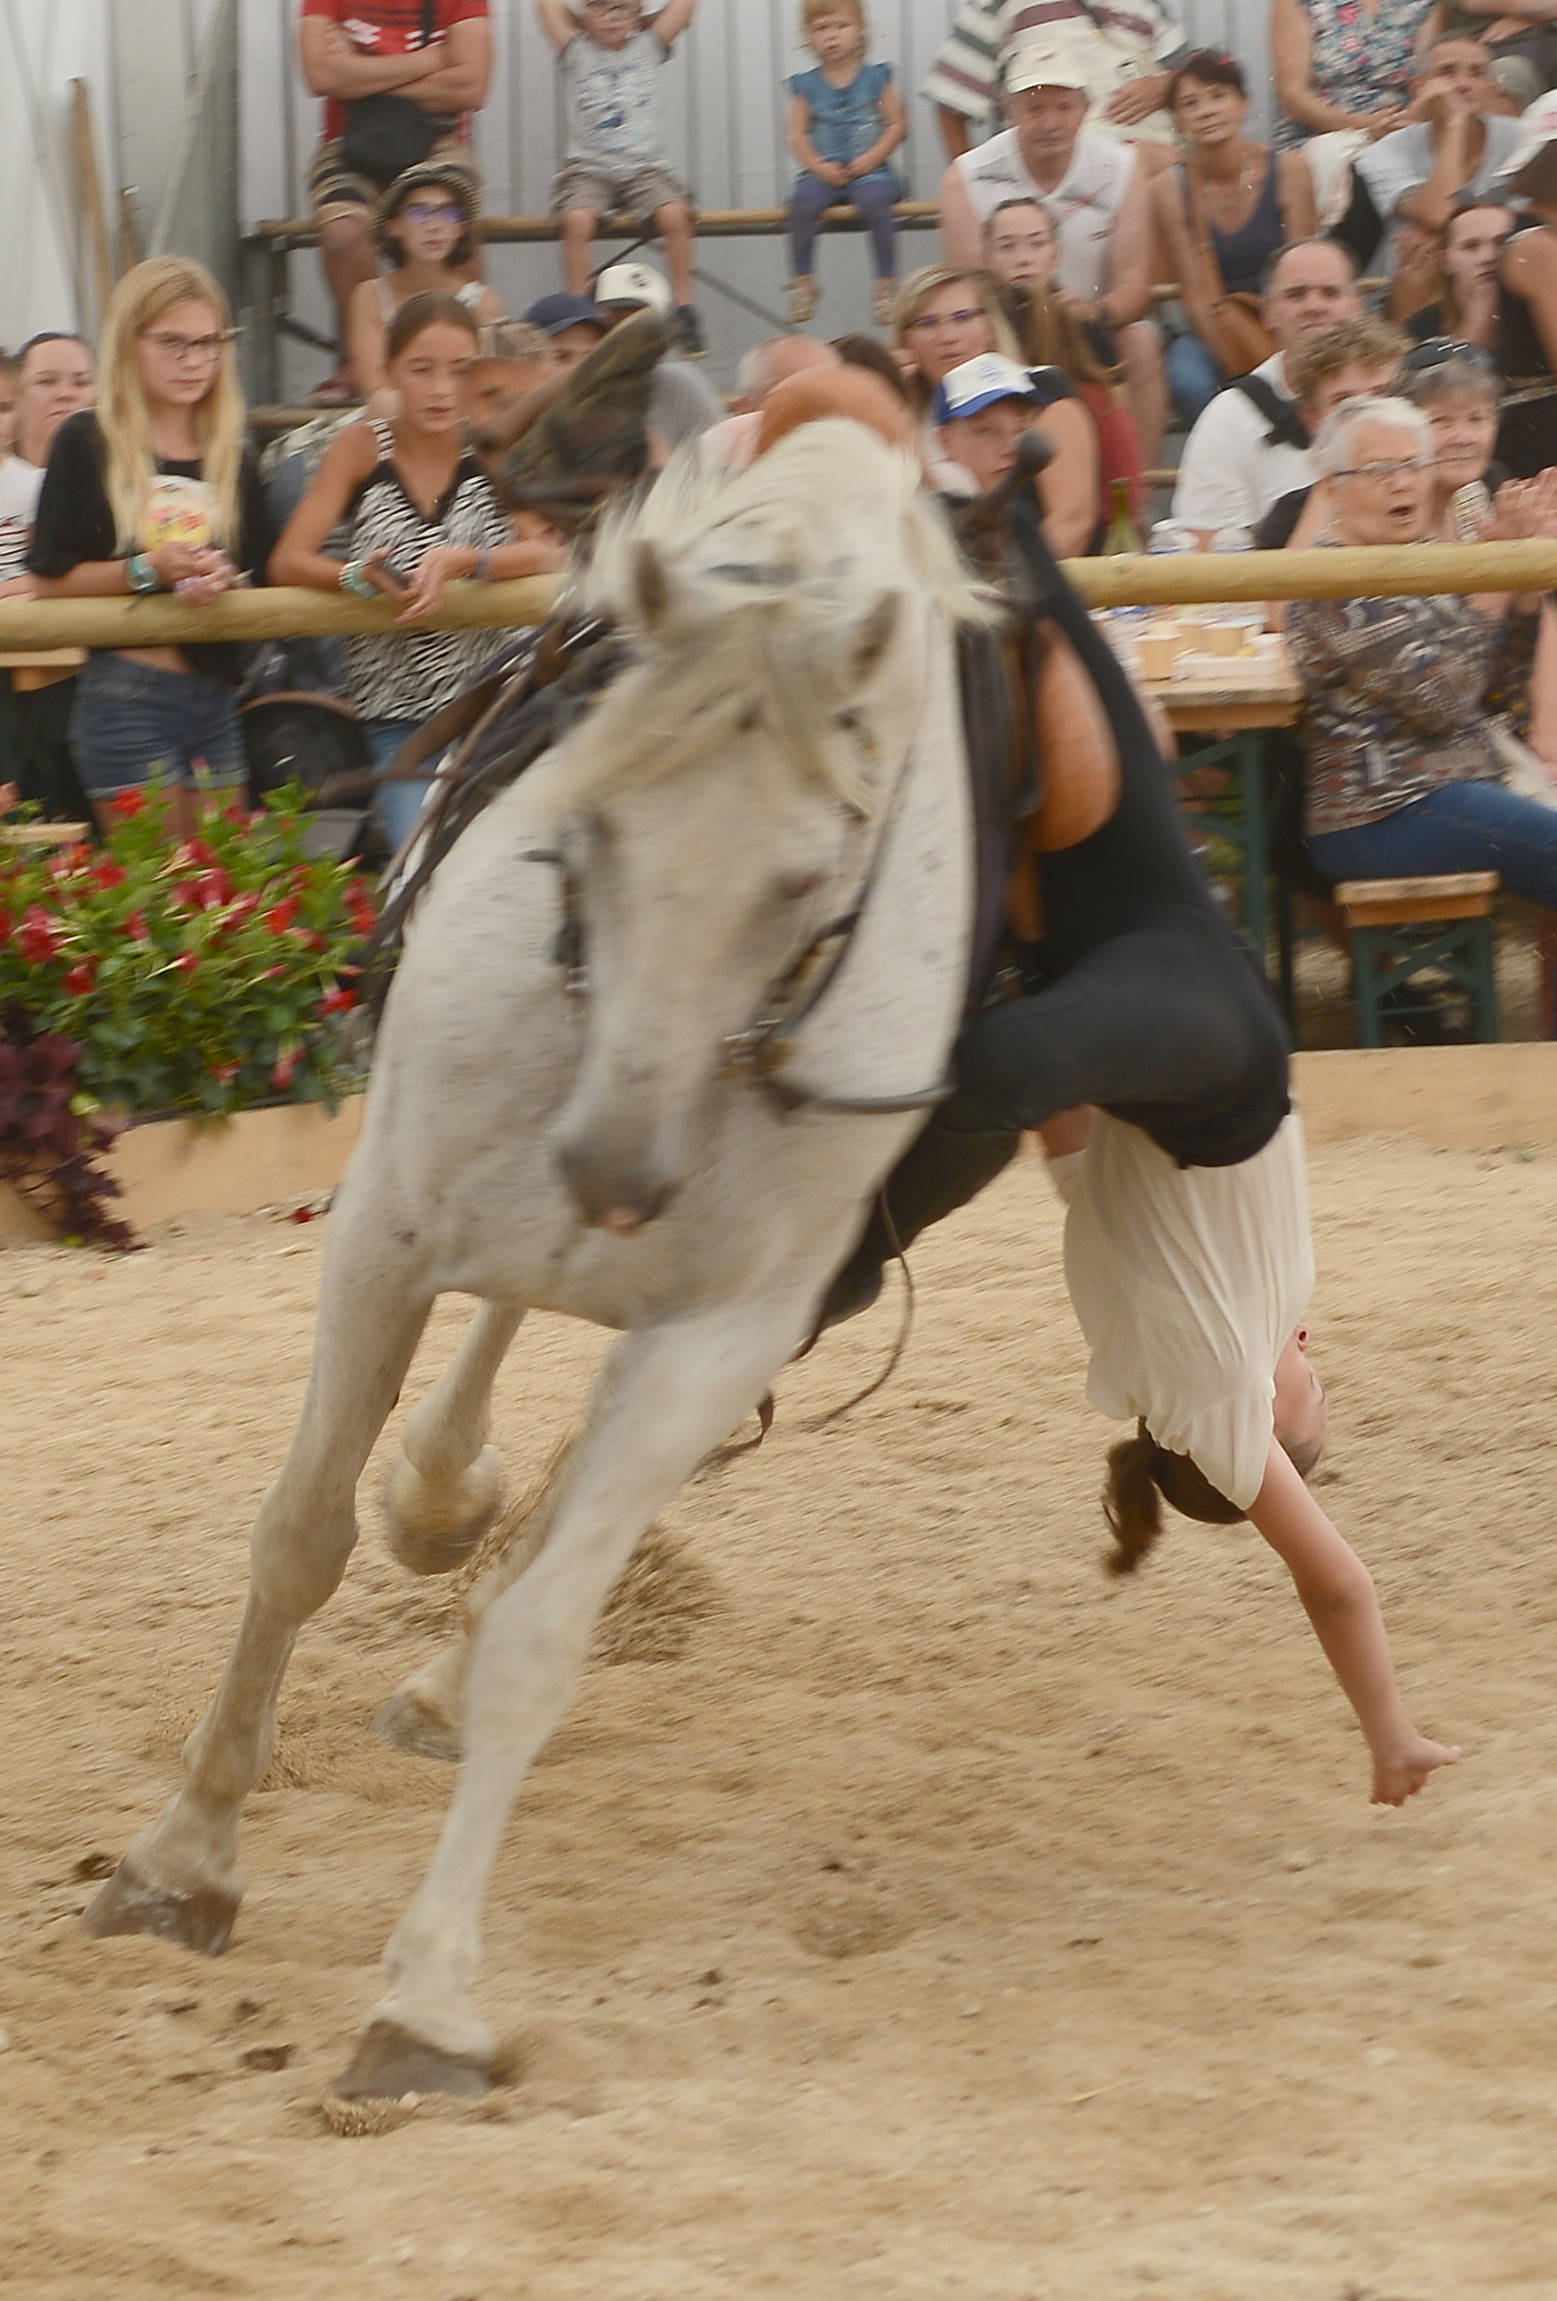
pixel 48 1154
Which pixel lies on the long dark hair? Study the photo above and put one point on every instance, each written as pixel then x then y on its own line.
pixel 1143 1475
pixel 431 310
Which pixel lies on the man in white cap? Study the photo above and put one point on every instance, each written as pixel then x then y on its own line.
pixel 683 402
pixel 1127 49
pixel 1095 193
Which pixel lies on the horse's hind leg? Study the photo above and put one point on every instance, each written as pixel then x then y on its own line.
pixel 179 1878
pixel 444 1491
pixel 422 1716
pixel 667 1395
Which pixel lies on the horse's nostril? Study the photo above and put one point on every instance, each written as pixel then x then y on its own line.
pixel 621 1221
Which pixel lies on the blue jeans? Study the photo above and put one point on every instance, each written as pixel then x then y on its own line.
pixel 396 805
pixel 873 195
pixel 1193 378
pixel 1460 827
pixel 132 724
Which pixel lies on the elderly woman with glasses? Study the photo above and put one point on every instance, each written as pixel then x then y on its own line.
pixel 1403 772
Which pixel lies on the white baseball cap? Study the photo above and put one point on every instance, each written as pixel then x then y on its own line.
pixel 1043 64
pixel 637 284
pixel 978 384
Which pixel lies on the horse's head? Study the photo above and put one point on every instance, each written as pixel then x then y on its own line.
pixel 724 801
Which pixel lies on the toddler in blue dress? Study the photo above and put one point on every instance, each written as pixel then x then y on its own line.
pixel 846 119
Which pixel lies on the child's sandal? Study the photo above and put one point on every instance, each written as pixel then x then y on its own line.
pixel 802 301
pixel 884 307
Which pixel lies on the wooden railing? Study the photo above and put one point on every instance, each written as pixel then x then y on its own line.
pixel 1167 581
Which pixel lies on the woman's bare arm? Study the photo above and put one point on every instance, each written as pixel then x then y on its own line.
pixel 1068 485
pixel 1340 1601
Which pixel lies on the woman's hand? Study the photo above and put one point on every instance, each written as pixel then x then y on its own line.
pixel 437 569
pixel 831 173
pixel 180 563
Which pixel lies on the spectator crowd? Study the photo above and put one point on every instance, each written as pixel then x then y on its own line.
pixel 1353 325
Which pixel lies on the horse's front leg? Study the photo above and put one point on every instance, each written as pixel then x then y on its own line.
pixel 179 1878
pixel 665 1396
pixel 443 1492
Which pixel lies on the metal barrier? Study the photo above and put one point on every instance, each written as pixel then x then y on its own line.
pixel 1380 572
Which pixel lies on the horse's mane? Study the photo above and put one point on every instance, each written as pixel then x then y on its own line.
pixel 747 586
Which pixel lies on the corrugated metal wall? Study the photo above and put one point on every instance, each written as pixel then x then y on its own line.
pixel 724 103
pixel 723 93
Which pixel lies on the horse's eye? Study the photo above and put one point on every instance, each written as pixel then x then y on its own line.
pixel 798 884
pixel 749 721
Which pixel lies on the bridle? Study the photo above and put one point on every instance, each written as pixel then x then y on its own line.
pixel 760 1054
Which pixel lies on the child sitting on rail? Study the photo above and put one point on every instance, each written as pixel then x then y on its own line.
pixel 846 119
pixel 1190 1284
pixel 609 53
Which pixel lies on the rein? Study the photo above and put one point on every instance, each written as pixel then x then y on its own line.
pixel 759 1055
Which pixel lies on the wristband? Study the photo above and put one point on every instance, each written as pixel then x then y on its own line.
pixel 484 563
pixel 354 580
pixel 140 574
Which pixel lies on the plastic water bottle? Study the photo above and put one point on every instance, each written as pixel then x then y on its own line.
pixel 1231 610
pixel 1167 535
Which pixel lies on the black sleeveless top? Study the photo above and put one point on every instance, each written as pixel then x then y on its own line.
pixel 1242 255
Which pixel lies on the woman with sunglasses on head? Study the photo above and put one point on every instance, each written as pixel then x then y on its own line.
pixel 1458 388
pixel 1219 217
pixel 427 229
pixel 945 317
pixel 156 491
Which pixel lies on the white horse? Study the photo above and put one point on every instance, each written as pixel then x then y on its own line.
pixel 757 844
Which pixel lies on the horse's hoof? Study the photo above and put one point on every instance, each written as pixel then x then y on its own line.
pixel 406 1724
pixel 389 2063
pixel 200 1920
pixel 432 1533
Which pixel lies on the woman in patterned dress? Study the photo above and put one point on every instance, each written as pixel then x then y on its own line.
pixel 1346 63
pixel 420 512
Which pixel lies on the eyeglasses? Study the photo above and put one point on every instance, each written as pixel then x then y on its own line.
pixel 1437 351
pixel 1379 472
pixel 929 324
pixel 422 212
pixel 182 348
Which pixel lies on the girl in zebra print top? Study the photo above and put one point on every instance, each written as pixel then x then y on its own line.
pixel 420 512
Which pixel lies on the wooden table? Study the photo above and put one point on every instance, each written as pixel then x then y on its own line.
pixel 40 666
pixel 1236 699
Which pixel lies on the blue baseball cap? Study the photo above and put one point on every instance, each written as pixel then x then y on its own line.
pixel 979 383
pixel 555 313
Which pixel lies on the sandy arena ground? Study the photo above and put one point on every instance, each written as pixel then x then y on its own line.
pixel 904 1909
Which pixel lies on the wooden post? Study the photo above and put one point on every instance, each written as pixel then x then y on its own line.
pixel 129 232
pixel 90 189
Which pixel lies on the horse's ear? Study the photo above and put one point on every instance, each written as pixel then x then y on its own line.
pixel 874 637
pixel 651 586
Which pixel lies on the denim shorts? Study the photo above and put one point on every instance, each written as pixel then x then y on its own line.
pixel 134 724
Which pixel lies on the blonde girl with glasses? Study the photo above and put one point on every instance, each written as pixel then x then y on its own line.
pixel 153 491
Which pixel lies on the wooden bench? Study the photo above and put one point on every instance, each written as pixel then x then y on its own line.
pixel 267 249
pixel 1402 929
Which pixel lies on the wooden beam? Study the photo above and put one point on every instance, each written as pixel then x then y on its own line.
pixel 90 190
pixel 1173 580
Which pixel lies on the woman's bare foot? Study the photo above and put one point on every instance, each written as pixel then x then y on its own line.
pixel 1398 1774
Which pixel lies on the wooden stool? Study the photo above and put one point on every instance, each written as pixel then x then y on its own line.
pixel 1546 962
pixel 1402 928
